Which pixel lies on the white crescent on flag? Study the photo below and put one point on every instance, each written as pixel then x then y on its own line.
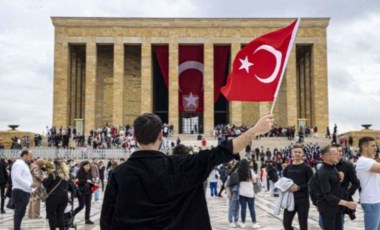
pixel 189 65
pixel 278 55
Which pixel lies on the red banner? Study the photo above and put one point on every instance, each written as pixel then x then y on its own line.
pixel 162 54
pixel 190 78
pixel 221 62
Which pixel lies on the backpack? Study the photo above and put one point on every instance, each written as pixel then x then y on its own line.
pixel 315 190
pixel 216 174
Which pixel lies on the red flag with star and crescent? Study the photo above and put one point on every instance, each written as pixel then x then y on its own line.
pixel 258 68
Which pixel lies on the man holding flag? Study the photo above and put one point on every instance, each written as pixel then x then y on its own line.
pixel 175 196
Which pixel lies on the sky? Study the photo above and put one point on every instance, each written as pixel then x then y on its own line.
pixel 27 50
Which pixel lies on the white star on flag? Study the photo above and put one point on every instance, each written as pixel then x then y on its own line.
pixel 245 64
pixel 191 100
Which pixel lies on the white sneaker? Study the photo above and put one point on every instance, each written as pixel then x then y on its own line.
pixel 242 225
pixel 255 225
pixel 233 225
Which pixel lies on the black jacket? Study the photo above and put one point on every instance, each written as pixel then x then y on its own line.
pixel 53 180
pixel 3 173
pixel 328 179
pixel 272 173
pixel 300 174
pixel 84 187
pixel 350 182
pixel 155 191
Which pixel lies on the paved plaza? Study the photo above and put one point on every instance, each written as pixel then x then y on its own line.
pixel 218 212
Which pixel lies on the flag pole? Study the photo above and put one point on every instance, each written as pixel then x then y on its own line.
pixel 285 63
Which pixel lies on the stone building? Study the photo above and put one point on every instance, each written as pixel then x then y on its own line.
pixel 109 70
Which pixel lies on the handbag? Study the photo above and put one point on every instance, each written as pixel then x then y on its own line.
pixel 11 203
pixel 44 195
pixel 257 186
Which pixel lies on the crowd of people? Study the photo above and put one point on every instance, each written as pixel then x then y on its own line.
pixel 106 137
pixel 289 180
pixel 27 182
pixel 290 132
pixel 294 175
pixel 26 142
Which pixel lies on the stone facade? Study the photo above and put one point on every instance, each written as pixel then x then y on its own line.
pixel 356 135
pixel 118 68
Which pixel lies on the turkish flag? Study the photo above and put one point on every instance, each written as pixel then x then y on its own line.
pixel 190 70
pixel 258 67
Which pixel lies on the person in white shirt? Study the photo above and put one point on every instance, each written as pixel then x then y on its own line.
pixel 213 178
pixel 246 193
pixel 368 172
pixel 22 185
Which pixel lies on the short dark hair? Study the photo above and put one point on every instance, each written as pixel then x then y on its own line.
pixel 24 152
pixel 146 128
pixel 364 141
pixel 326 150
pixel 297 146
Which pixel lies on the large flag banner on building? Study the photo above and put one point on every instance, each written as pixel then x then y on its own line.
pixel 190 82
pixel 258 68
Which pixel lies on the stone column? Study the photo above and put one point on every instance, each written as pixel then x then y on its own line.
pixel 80 76
pixel 118 84
pixel 146 78
pixel 173 86
pixel 291 89
pixel 307 89
pixel 90 91
pixel 208 86
pixel 320 105
pixel 61 84
pixel 264 108
pixel 72 87
pixel 302 87
pixel 235 107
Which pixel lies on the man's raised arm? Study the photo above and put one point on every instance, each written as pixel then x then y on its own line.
pixel 263 125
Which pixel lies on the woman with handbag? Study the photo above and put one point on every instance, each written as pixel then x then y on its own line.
pixel 85 185
pixel 38 176
pixel 57 194
pixel 247 178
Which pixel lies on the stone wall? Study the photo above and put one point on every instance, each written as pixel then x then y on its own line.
pixel 104 86
pixel 132 83
pixel 356 135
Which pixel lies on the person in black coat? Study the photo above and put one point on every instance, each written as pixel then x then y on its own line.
pixel 85 185
pixel 3 182
pixel 154 191
pixel 272 177
pixel 102 169
pixel 57 187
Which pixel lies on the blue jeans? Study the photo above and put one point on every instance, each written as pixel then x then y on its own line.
pixel 233 208
pixel 371 216
pixel 214 188
pixel 97 194
pixel 251 205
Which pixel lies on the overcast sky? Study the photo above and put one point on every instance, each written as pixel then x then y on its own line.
pixel 27 42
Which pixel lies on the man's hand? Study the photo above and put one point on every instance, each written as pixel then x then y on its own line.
pixel 351 205
pixel 341 176
pixel 264 124
pixel 294 188
pixel 33 185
